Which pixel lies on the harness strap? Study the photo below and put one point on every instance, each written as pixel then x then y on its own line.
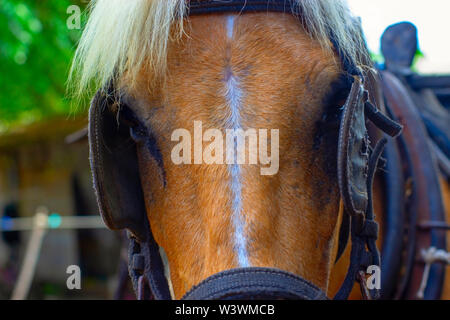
pixel 387 125
pixel 146 269
pixel 215 6
pixel 425 199
pixel 255 284
pixel 361 258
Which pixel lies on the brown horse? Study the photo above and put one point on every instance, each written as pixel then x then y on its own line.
pixel 179 78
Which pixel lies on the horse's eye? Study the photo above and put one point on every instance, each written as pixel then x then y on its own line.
pixel 333 102
pixel 138 131
pixel 335 99
pixel 338 93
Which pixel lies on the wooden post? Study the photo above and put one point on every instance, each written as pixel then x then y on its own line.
pixel 32 255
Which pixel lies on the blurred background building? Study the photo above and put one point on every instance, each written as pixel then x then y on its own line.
pixel 44 155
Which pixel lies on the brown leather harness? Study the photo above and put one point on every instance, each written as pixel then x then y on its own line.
pixel 414 250
pixel 121 201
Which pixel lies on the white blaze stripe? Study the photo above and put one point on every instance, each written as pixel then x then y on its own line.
pixel 230 26
pixel 234 98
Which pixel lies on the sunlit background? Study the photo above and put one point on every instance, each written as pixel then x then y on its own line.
pixel 431 18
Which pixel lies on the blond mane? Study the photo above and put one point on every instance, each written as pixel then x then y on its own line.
pixel 122 35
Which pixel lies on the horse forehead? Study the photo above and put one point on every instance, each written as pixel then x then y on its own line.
pixel 271 39
pixel 277 54
pixel 262 60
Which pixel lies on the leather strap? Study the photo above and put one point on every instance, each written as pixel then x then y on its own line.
pixel 353 154
pixel 344 236
pixel 364 236
pixel 146 270
pixel 255 284
pixel 394 219
pixel 426 200
pixel 224 6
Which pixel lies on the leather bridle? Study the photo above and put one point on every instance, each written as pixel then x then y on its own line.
pixel 121 201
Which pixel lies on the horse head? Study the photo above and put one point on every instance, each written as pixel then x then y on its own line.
pixel 216 136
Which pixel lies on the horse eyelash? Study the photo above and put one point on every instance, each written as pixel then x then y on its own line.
pixel 330 121
pixel 339 91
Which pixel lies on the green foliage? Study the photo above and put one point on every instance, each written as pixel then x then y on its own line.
pixel 419 56
pixel 36 48
pixel 378 58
